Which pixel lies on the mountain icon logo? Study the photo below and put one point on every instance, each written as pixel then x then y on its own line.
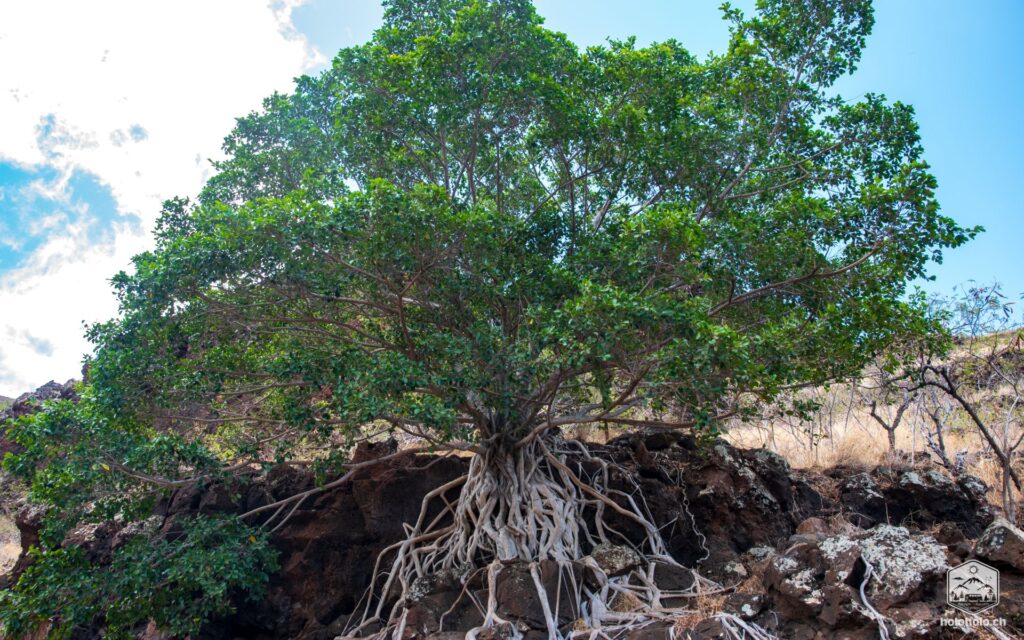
pixel 972 587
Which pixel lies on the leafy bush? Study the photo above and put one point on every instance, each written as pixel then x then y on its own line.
pixel 179 582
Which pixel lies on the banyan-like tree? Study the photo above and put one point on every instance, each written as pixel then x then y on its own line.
pixel 470 231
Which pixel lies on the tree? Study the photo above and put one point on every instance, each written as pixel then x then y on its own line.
pixel 891 425
pixel 984 377
pixel 890 386
pixel 472 232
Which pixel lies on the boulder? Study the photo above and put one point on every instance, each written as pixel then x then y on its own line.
pixel 720 500
pixel 823 579
pixel 1002 543
pixel 29 521
pixel 903 564
pixel 519 598
pixel 443 602
pixel 96 539
pixel 615 560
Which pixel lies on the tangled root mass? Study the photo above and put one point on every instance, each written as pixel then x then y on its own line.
pixel 548 500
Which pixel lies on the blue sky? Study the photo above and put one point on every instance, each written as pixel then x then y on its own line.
pixel 110 112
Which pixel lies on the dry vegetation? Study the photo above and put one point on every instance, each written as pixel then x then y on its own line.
pixel 10 546
pixel 844 434
pixel 882 419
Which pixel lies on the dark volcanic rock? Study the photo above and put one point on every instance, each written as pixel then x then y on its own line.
pixel 716 507
pixel 30 402
pixel 820 581
pixel 919 497
pixel 96 539
pixel 329 545
pixel 737 499
pixel 1002 543
pixel 519 599
pixel 721 501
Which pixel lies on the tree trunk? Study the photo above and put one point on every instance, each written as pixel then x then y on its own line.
pixel 1009 504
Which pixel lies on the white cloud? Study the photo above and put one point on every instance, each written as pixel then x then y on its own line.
pixel 45 303
pixel 133 92
pixel 182 71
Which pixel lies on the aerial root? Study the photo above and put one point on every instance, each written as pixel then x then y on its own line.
pixel 736 628
pixel 531 504
pixel 872 612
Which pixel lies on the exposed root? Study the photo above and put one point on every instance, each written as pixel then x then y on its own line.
pixel 872 612
pixel 548 500
pixel 738 629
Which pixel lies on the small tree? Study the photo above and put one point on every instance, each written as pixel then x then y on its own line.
pixel 940 408
pixel 887 388
pixel 984 375
pixel 469 231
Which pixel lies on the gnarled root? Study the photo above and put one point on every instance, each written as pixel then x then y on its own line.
pixel 534 504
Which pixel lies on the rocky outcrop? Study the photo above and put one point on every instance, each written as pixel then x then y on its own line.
pixel 11 493
pixel 730 514
pixel 29 522
pixel 917 497
pixel 794 561
pixel 715 504
pixel 720 501
pixel 28 403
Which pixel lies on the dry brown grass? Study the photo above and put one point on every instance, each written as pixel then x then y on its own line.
pixel 688 622
pixel 10 544
pixel 843 434
pixel 853 439
pixel 699 609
